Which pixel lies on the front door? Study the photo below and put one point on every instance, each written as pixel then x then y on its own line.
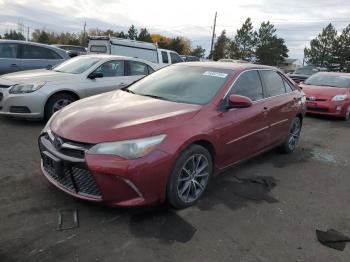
pixel 8 58
pixel 245 130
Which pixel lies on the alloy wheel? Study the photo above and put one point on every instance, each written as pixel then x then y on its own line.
pixel 193 178
pixel 294 134
pixel 59 104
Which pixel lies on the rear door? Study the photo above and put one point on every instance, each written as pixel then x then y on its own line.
pixel 280 104
pixel 245 130
pixel 8 58
pixel 35 57
pixel 135 71
pixel 114 77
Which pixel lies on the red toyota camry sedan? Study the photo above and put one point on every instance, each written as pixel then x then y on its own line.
pixel 328 93
pixel 164 137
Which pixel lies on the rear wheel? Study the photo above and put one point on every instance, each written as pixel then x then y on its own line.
pixel 293 137
pixel 347 114
pixel 190 177
pixel 57 102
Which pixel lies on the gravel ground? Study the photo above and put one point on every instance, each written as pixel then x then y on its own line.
pixel 312 192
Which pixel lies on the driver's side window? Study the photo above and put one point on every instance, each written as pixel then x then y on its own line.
pixel 248 84
pixel 111 68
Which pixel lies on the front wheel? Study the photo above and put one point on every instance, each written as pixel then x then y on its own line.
pixel 347 114
pixel 57 102
pixel 293 136
pixel 190 177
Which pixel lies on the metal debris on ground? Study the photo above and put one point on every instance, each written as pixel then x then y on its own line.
pixel 63 224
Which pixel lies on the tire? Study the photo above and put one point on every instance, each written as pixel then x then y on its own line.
pixel 57 102
pixel 347 114
pixel 293 136
pixel 184 186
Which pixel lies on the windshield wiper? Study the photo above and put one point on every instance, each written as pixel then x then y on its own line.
pixel 128 90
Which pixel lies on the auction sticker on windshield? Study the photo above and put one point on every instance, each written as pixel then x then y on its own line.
pixel 215 74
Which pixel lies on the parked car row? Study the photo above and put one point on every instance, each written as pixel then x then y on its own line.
pixel 37 94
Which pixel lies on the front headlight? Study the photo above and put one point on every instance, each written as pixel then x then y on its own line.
pixel 25 88
pixel 339 97
pixel 128 149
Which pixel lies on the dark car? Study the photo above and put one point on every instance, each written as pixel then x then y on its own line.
pixel 301 74
pixel 73 50
pixel 18 55
pixel 165 136
pixel 190 58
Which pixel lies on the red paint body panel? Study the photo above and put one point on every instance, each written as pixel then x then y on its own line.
pixel 234 135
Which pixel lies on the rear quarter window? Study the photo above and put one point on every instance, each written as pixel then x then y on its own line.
pixel 8 50
pixel 98 49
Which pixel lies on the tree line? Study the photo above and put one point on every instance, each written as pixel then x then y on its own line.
pixel 261 46
pixel 179 44
pixel 330 49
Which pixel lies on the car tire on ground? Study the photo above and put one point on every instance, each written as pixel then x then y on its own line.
pixel 57 102
pixel 190 177
pixel 293 136
pixel 347 114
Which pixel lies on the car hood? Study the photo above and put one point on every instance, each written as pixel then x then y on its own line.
pixel 119 115
pixel 33 76
pixel 322 92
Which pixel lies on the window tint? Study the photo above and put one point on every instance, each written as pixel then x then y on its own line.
pixel 8 50
pixel 248 84
pixel 98 49
pixel 150 70
pixel 38 52
pixel 185 84
pixel 111 69
pixel 273 83
pixel 175 58
pixel 137 68
pixel 288 86
pixel 165 57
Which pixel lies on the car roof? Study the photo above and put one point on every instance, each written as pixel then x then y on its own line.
pixel 334 74
pixel 229 66
pixel 108 57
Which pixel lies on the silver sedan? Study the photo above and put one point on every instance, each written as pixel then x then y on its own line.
pixel 37 94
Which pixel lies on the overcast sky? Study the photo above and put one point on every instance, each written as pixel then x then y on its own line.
pixel 296 21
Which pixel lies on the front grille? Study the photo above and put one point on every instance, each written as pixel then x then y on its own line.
pixel 318 109
pixel 73 176
pixel 317 99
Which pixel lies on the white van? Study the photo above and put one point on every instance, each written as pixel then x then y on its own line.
pixel 132 48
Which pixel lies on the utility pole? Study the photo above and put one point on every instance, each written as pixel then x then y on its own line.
pixel 212 38
pixel 84 34
pixel 27 33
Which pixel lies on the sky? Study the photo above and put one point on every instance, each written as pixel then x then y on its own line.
pixel 296 21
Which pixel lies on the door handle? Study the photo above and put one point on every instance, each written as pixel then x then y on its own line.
pixel 123 84
pixel 13 65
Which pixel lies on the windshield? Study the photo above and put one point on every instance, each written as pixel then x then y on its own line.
pixel 328 80
pixel 77 65
pixel 306 71
pixel 185 84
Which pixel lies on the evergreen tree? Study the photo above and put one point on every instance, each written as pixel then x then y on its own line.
pixel 13 35
pixel 244 42
pixel 342 50
pixel 221 47
pixel 132 33
pixel 198 51
pixel 270 50
pixel 322 48
pixel 122 35
pixel 144 36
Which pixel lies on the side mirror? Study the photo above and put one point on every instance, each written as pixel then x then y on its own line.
pixel 236 101
pixel 72 53
pixel 94 75
pixel 49 67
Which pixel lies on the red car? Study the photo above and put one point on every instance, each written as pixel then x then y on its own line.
pixel 328 94
pixel 165 136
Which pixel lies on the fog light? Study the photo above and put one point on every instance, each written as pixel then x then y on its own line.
pixel 338 108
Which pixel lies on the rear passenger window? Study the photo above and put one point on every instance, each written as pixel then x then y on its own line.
pixel 175 58
pixel 137 68
pixel 38 52
pixel 273 83
pixel 111 69
pixel 165 57
pixel 248 84
pixel 8 50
